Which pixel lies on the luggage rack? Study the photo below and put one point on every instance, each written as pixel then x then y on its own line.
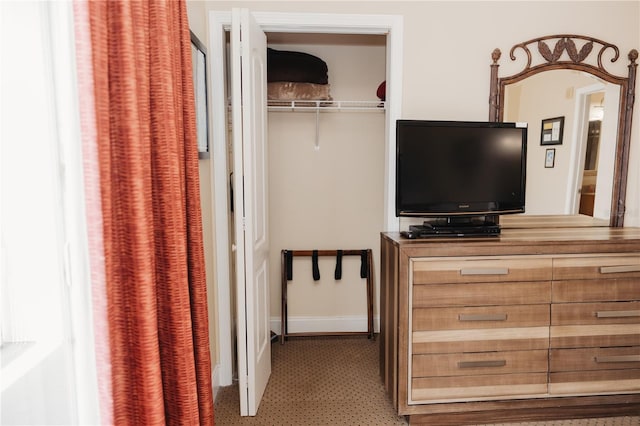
pixel 290 254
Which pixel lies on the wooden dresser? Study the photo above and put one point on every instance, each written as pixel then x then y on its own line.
pixel 539 323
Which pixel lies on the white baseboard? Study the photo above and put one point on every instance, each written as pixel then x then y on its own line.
pixel 324 324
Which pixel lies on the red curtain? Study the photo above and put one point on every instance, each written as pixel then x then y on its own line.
pixel 156 302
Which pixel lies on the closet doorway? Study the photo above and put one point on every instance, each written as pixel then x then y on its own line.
pixel 283 29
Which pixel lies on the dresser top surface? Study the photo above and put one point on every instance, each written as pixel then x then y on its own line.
pixel 532 236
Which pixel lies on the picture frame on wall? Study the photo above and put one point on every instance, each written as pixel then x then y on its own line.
pixel 199 60
pixel 550 158
pixel 551 131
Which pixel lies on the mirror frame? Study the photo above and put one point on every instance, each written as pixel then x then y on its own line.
pixel 574 60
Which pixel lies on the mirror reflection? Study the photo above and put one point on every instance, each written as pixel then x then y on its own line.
pixel 577 176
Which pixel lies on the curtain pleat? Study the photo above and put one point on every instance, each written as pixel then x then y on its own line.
pixel 154 258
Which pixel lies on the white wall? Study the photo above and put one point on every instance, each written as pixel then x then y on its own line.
pixel 448 45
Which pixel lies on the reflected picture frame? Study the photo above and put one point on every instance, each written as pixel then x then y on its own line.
pixel 550 158
pixel 199 60
pixel 551 131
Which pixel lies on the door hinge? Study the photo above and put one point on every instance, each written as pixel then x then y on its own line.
pixel 244 382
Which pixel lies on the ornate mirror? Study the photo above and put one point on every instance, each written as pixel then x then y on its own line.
pixel 579 118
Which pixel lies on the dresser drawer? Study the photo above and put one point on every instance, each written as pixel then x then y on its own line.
pixel 597 267
pixel 595 313
pixel 588 359
pixel 480 340
pixel 483 363
pixel 594 382
pixel 606 335
pixel 596 290
pixel 594 370
pixel 462 318
pixel 439 389
pixel 478 294
pixel 471 270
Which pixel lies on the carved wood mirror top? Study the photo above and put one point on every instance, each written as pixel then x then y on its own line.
pixel 579 53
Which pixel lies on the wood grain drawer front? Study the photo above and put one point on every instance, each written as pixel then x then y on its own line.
pixel 588 359
pixel 481 270
pixel 478 294
pixel 462 318
pixel 432 389
pixel 580 336
pixel 592 370
pixel 599 267
pixel 480 340
pixel 597 290
pixel 594 382
pixel 595 313
pixel 482 363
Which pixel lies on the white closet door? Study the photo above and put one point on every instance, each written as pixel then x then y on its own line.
pixel 249 109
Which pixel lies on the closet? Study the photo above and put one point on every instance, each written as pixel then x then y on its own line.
pixel 326 179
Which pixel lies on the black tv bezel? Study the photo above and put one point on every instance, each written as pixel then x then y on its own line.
pixel 455 213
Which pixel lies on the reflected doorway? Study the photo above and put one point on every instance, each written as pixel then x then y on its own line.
pixel 590 170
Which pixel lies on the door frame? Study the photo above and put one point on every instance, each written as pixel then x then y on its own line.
pixel 219 22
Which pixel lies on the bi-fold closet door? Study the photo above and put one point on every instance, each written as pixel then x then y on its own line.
pixel 250 177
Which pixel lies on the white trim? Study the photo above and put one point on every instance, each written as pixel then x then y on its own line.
pixel 325 23
pixel 395 54
pixel 392 26
pixel 307 324
pixel 220 199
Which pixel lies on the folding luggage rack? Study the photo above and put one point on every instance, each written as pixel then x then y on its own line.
pixel 366 269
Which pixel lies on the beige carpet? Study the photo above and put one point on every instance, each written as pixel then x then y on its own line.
pixel 335 381
pixel 317 381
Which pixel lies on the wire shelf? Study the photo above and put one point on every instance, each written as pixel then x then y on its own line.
pixel 326 105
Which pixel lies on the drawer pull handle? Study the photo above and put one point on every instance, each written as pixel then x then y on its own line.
pixel 476 364
pixel 619 358
pixel 482 317
pixel 484 271
pixel 617 314
pixel 619 269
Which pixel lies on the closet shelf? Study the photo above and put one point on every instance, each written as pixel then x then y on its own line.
pixel 318 106
pixel 325 105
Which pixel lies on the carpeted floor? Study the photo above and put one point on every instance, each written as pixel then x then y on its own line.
pixel 335 381
pixel 317 381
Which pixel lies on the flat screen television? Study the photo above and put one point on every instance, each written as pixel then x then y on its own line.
pixel 456 171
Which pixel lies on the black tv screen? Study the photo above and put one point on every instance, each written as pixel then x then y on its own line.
pixel 459 168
